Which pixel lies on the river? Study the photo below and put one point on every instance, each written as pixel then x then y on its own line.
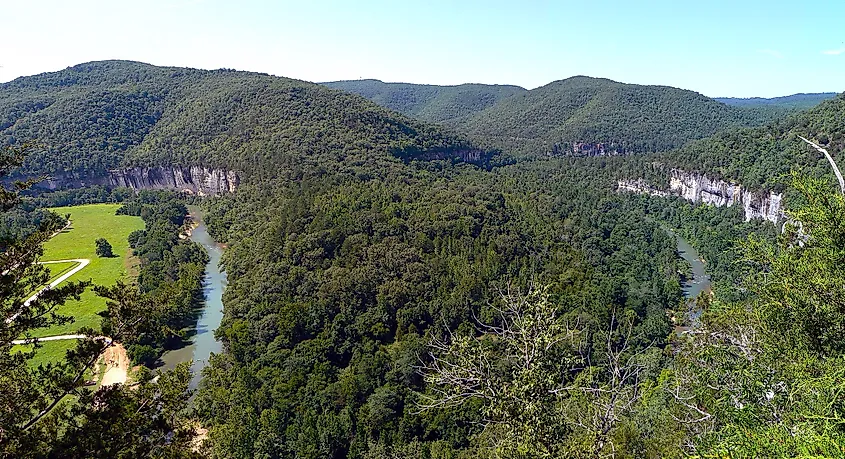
pixel 201 342
pixel 700 281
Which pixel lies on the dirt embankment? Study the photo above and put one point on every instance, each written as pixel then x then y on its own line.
pixel 117 365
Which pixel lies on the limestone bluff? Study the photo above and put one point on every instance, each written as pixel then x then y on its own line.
pixel 192 179
pixel 195 179
pixel 698 188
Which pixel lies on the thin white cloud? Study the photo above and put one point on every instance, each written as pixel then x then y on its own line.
pixel 834 52
pixel 771 52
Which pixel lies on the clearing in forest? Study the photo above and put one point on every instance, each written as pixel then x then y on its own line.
pixel 88 223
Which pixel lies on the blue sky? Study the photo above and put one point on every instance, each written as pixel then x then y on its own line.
pixel 719 48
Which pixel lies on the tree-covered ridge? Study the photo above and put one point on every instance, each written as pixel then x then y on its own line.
pixel 262 124
pixel 442 104
pixel 102 74
pixel 87 116
pixel 625 118
pixel 104 115
pixel 763 157
pixel 795 101
pixel 335 285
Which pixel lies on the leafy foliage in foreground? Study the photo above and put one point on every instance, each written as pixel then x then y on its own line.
pixel 47 411
pixel 763 378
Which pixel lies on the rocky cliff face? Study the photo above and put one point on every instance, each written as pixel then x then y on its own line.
pixel 588 149
pixel 640 186
pixel 474 156
pixel 193 179
pixel 699 188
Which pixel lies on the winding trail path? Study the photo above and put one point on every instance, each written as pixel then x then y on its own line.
pixel 49 338
pixel 81 263
pixel 116 360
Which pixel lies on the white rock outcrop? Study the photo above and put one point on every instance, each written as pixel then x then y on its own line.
pixel 195 179
pixel 699 188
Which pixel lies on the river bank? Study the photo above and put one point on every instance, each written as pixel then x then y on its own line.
pixel 201 342
pixel 694 285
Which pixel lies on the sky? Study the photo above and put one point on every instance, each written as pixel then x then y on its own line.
pixel 721 48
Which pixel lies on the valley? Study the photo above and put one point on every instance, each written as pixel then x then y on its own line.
pixel 699 281
pixel 419 270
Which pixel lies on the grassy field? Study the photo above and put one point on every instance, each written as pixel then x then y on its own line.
pixel 51 351
pixel 88 223
pixel 57 269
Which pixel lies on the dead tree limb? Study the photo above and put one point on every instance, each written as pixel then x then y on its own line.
pixel 830 159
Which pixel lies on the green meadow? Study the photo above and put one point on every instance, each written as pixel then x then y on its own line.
pixel 50 351
pixel 56 270
pixel 88 223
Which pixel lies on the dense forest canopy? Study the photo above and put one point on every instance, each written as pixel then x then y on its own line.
pixel 354 276
pixel 397 288
pixel 763 157
pixel 440 104
pixel 104 115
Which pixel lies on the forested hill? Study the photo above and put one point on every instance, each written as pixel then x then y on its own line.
pixel 763 157
pixel 443 104
pixel 102 115
pixel 795 101
pixel 377 307
pixel 604 117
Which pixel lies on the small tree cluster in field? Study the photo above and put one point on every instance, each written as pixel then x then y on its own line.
pixel 104 249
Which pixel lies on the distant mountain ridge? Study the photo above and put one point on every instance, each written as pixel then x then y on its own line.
pixel 442 104
pixel 799 101
pixel 104 115
pixel 585 115
pixel 581 116
pixel 763 157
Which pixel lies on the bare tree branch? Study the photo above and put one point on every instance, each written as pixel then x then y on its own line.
pixel 832 162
